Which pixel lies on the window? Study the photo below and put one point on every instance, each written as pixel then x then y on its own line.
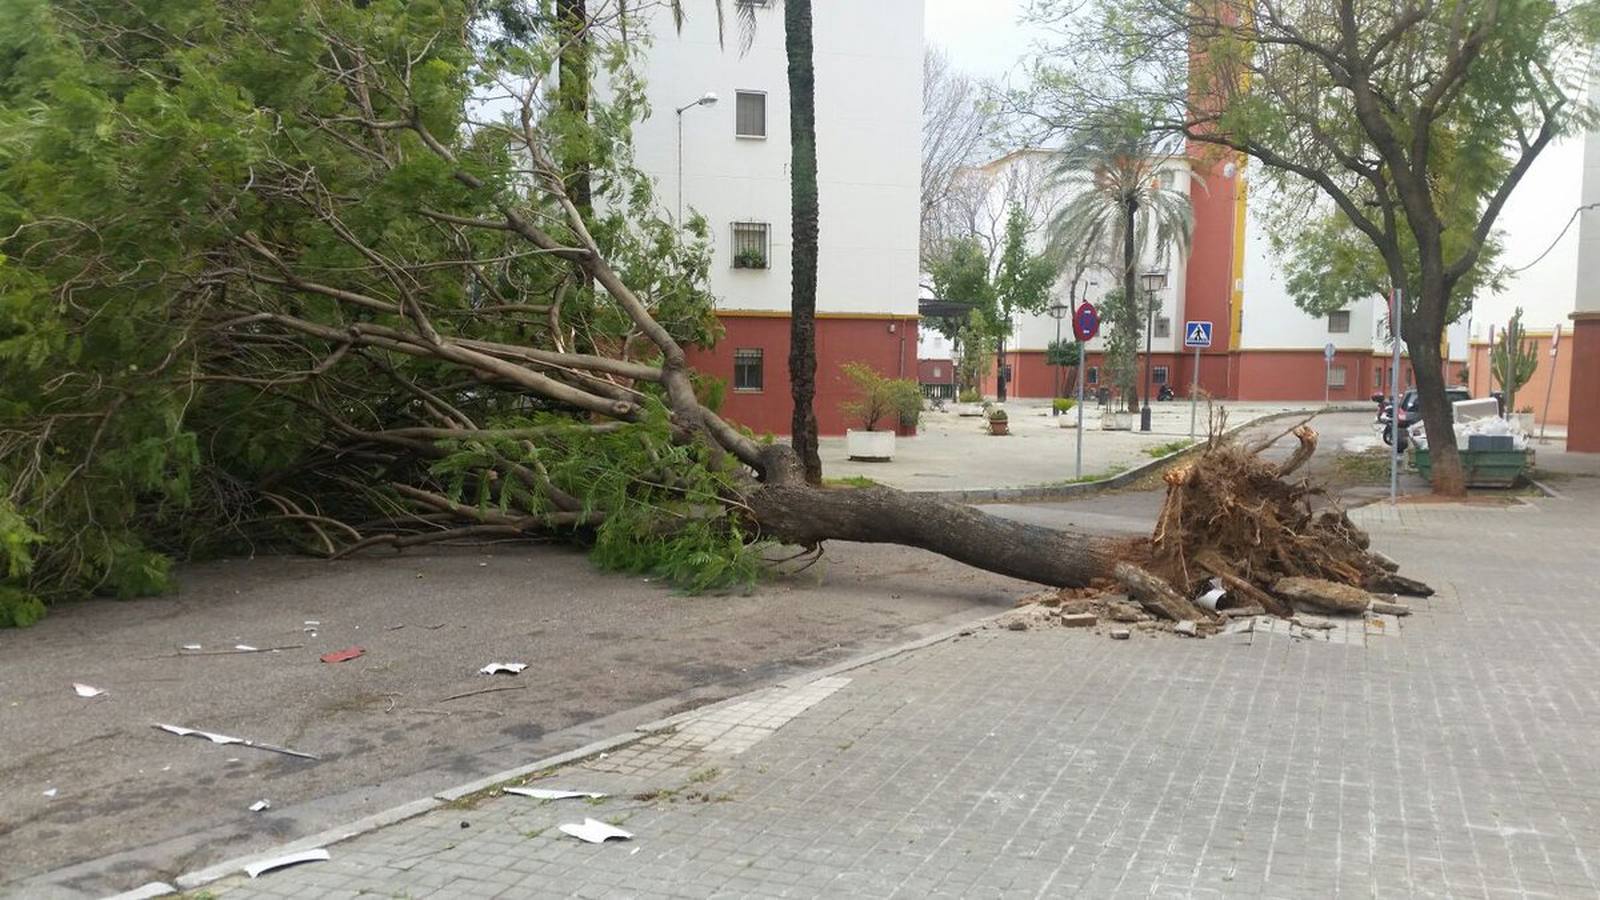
pixel 1159 374
pixel 1163 327
pixel 938 372
pixel 747 369
pixel 750 114
pixel 1094 375
pixel 1339 322
pixel 1336 376
pixel 750 245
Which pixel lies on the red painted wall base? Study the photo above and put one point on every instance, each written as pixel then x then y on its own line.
pixel 887 343
pixel 1583 411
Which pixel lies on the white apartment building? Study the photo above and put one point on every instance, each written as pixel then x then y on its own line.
pixel 734 164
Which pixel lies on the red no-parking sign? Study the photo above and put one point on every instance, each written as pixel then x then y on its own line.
pixel 1086 322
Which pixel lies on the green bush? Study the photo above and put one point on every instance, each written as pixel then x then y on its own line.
pixel 997 415
pixel 969 396
pixel 1063 404
pixel 907 401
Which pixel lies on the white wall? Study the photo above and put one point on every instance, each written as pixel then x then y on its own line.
pixel 1588 252
pixel 868 61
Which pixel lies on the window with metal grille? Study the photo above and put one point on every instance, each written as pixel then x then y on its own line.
pixel 747 369
pixel 1163 327
pixel 1094 375
pixel 1336 376
pixel 1159 374
pixel 750 245
pixel 750 114
pixel 1339 322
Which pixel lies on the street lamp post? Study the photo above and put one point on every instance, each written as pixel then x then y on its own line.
pixel 1057 311
pixel 706 99
pixel 1153 282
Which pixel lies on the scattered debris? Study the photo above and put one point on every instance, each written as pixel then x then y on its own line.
pixel 313 623
pixel 84 690
pixel 260 806
pixel 499 668
pixel 280 862
pixel 1017 625
pixel 507 687
pixel 596 832
pixel 1314 624
pixel 344 655
pixel 1187 628
pixel 1079 620
pixel 194 650
pixel 1211 598
pixel 246 648
pixel 180 731
pixel 1321 594
pixel 552 793
pixel 1244 612
pixel 1120 634
pixel 1385 607
pixel 190 647
pixel 50 793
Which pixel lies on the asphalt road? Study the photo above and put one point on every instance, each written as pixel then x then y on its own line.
pixel 132 804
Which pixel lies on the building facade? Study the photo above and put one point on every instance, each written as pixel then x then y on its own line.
pixel 731 164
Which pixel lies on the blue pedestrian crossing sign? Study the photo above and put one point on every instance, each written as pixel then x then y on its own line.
pixel 1197 334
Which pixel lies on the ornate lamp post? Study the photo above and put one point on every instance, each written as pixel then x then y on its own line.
pixel 1152 282
pixel 1057 311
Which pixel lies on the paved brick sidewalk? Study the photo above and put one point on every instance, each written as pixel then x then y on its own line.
pixel 1451 756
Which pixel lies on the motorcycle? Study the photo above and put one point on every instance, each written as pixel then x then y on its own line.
pixel 1165 393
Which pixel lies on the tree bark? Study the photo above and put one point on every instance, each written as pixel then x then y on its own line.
pixel 1437 416
pixel 799 514
pixel 1129 316
pixel 572 91
pixel 803 216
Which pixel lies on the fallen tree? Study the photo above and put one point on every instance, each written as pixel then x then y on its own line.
pixel 328 289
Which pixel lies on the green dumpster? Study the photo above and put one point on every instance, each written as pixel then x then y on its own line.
pixel 1484 468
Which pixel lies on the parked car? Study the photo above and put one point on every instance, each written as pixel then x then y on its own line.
pixel 1411 410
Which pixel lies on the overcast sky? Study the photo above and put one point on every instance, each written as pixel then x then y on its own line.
pixel 985 38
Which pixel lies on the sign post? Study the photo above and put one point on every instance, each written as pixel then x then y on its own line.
pixel 1198 336
pixel 1085 325
pixel 1327 370
pixel 1555 360
pixel 1396 317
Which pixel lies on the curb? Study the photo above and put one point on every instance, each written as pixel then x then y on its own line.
pixel 1035 493
pixel 213 873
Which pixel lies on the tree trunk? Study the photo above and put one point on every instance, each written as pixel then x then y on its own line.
pixel 1426 368
pixel 572 92
pixel 1000 371
pixel 1128 317
pixel 803 515
pixel 804 213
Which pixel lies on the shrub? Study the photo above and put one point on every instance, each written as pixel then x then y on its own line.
pixel 997 415
pixel 907 401
pixel 1063 404
pixel 969 396
pixel 876 395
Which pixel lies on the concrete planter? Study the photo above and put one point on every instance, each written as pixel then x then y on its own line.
pixel 869 446
pixel 1525 422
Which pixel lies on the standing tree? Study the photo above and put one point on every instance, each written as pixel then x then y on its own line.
pixel 1022 283
pixel 1416 119
pixel 958 125
pixel 1118 208
pixel 804 216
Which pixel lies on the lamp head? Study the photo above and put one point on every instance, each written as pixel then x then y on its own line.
pixel 1154 281
pixel 709 98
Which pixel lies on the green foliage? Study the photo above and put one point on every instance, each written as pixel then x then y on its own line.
pixel 1063 353
pixel 969 396
pixel 975 347
pixel 1170 447
pixel 1063 404
pixel 749 259
pixel 961 275
pixel 1513 360
pixel 144 146
pixel 1121 360
pixel 850 481
pixel 878 396
pixel 997 415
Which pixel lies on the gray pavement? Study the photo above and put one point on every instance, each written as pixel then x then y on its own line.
pixel 1447 754
pixel 956 452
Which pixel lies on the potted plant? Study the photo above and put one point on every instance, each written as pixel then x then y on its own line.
pixel 998 423
pixel 907 404
pixel 1525 419
pixel 875 401
pixel 1062 406
pixel 750 259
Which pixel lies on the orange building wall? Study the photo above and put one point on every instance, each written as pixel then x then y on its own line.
pixel 887 343
pixel 1583 409
pixel 1532 393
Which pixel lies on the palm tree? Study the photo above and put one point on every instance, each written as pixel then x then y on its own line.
pixel 804 216
pixel 1119 203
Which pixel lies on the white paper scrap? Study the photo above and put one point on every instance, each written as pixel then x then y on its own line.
pixel 496 668
pixel 213 738
pixel 190 647
pixel 260 805
pixel 50 793
pixel 313 622
pixel 244 648
pixel 596 832
pixel 85 690
pixel 552 794
pixel 293 859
